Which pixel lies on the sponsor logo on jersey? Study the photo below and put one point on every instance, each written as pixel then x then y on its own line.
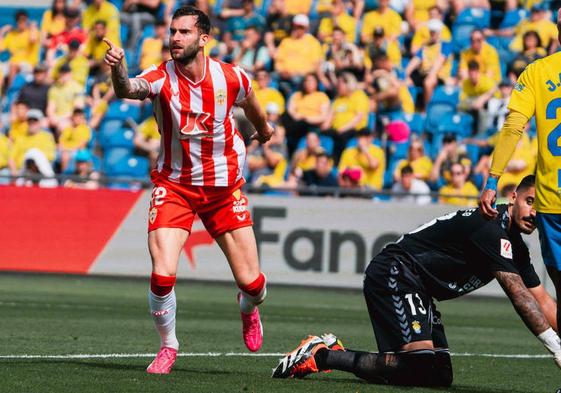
pixel 519 86
pixel 152 215
pixel 506 249
pixel 220 96
pixel 416 325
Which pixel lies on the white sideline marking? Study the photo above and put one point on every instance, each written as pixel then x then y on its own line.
pixel 236 354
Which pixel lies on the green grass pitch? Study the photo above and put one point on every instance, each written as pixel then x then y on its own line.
pixel 56 315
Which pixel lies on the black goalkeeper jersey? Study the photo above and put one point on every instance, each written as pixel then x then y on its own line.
pixel 457 253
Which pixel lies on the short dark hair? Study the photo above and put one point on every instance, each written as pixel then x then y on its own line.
pixel 527 182
pixel 20 13
pixel 203 22
pixel 100 22
pixel 406 170
pixel 473 65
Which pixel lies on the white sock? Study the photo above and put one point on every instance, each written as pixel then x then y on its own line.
pixel 163 309
pixel 248 302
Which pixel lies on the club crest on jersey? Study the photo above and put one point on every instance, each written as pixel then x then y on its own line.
pixel 152 215
pixel 416 325
pixel 220 96
pixel 506 249
pixel 519 87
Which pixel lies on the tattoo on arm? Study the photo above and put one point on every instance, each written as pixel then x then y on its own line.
pixel 523 302
pixel 125 87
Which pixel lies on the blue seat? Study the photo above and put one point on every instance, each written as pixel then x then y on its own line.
pixel 123 138
pixel 461 34
pixel 120 110
pixel 459 123
pixel 446 95
pixel 112 156
pixel 512 18
pixel 479 17
pixel 398 151
pixel 131 166
pixel 325 141
pixel 415 121
pixel 435 113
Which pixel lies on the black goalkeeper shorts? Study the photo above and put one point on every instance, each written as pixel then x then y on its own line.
pixel 400 310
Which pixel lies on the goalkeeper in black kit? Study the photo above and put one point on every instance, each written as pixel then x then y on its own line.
pixel 448 257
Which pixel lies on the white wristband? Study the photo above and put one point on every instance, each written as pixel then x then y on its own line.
pixel 550 340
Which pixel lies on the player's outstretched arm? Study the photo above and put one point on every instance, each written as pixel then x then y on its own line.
pixel 125 87
pixel 530 312
pixel 257 117
pixel 547 304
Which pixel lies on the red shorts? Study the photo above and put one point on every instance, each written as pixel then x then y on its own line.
pixel 221 209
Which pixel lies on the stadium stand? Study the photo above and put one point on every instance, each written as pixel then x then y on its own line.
pixel 354 37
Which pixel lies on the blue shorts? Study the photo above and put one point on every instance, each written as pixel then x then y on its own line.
pixel 549 227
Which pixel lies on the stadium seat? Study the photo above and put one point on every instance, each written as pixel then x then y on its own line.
pixel 120 110
pixel 512 18
pixel 325 141
pixel 132 166
pixel 398 151
pixel 461 36
pixel 459 123
pixel 435 113
pixel 112 156
pixel 446 95
pixel 415 121
pixel 478 17
pixel 123 138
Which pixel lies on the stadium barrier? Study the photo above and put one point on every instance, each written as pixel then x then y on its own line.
pixel 305 241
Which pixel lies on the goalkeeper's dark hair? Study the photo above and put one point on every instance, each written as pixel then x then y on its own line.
pixel 527 182
pixel 203 22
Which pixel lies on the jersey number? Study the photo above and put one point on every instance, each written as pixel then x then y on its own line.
pixel 196 124
pixel 555 134
pixel 411 302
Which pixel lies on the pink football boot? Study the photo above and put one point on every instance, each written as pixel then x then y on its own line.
pixel 163 362
pixel 252 329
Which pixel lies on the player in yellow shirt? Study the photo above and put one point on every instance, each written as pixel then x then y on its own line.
pixel 74 137
pixel 384 17
pixel 536 94
pixel 36 138
pixel 366 157
pixel 482 52
pixel 458 191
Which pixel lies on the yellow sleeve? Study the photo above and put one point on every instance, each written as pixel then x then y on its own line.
pixel 523 98
pixel 346 160
pixel 367 27
pixel 511 133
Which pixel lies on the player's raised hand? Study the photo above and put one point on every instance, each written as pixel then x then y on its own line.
pixel 263 136
pixel 488 198
pixel 114 55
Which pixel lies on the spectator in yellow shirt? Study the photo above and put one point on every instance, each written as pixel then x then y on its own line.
pixel 52 22
pixel 367 158
pixel 22 42
pixel 151 49
pixel 64 95
pixel 304 158
pixel 432 65
pixel 484 54
pixel 36 138
pixel 340 56
pixel 298 54
pixel 95 48
pixel 348 113
pixel 18 120
pixel 383 17
pixel 4 158
pixel 307 109
pixel 417 11
pixel 79 64
pixel 147 140
pixel 265 94
pixel 539 21
pixel 417 160
pixel 459 190
pixel 103 10
pixel 381 45
pixel 338 17
pixel 74 137
pixel 476 92
pixel 422 33
pixel 532 51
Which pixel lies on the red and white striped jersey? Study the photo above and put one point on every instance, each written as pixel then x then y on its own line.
pixel 200 144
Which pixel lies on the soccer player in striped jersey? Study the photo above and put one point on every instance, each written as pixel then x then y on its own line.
pixel 199 170
pixel 536 93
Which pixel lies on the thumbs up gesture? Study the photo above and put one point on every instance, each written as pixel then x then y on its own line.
pixel 114 55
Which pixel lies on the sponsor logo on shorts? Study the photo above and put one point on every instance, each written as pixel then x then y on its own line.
pixel 152 215
pixel 239 206
pixel 506 249
pixel 416 325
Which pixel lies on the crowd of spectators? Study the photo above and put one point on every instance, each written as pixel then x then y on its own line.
pixel 365 95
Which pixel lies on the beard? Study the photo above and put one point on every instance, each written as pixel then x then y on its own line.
pixel 187 55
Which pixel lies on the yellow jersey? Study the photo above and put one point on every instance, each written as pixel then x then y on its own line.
pixel 270 95
pixel 346 108
pixel 4 150
pixel 422 167
pixel 483 85
pixel 149 129
pixel 73 138
pixel 452 196
pixel 488 60
pixel 346 22
pixel 537 93
pixel 310 104
pixel 353 158
pixel 43 140
pixel 108 13
pixel 390 21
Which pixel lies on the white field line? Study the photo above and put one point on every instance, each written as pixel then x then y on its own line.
pixel 236 354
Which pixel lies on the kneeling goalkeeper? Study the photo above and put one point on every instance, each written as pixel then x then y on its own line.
pixel 446 258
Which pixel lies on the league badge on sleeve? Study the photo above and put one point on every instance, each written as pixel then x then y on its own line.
pixel 506 249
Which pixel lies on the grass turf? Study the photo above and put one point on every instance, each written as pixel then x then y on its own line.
pixel 56 315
